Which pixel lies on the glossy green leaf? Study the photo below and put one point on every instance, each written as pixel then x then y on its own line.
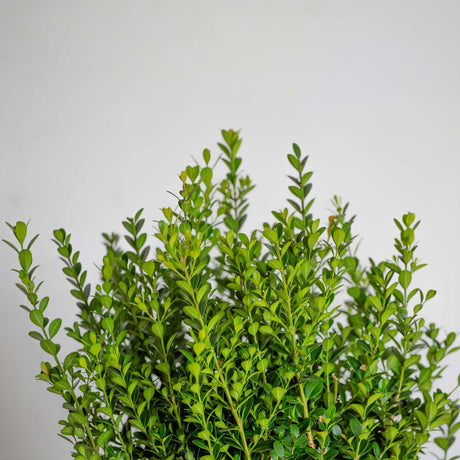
pixel 54 327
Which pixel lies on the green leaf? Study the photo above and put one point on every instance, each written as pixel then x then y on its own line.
pixel 450 339
pixel 36 316
pixel 338 236
pixel 198 348
pixel 68 431
pixel 198 408
pixel 158 329
pixel 136 424
pixel 76 418
pixel 271 235
pixel 253 328
pixel 262 365
pixel 54 327
pixel 312 240
pixel 408 219
pixel 430 410
pixel 132 387
pixel 188 355
pixel 95 348
pixel 443 443
pixel 78 295
pixel 313 388
pixel 105 437
pixel 202 293
pixel 356 426
pixel 206 175
pixel 421 418
pixel 296 191
pixel 246 365
pixel 101 383
pixel 194 369
pixel 238 323
pixel 266 330
pixel 192 312
pixel 148 393
pixel 20 231
pixel 205 434
pixel 49 347
pixel 394 363
pixel 336 430
pixel 36 335
pixel 149 268
pixel 375 302
pixel 276 264
pixel 440 420
pixel 278 393
pixel 25 259
pixel 279 449
pixel 294 429
pixel 59 234
pixel 215 320
pixel 407 236
pixel 43 304
pixel 108 324
pixel 405 278
pixel 62 385
pixel 206 155
pixel 140 241
pixel 294 161
pixel 185 287
pixel 163 367
pixel 231 223
pixel 296 150
pixel 371 400
pixel 12 246
pixel 358 409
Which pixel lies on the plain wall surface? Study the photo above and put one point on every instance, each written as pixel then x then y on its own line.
pixel 104 102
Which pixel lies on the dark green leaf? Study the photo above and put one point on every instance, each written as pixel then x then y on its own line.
pixel 356 426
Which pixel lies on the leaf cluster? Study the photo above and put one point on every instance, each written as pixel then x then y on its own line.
pixel 216 344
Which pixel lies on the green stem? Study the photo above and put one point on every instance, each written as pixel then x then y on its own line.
pixel 72 392
pixel 233 409
pixel 120 437
pixel 311 441
pixel 175 405
pixel 401 375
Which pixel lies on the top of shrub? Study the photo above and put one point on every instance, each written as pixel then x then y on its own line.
pixel 272 344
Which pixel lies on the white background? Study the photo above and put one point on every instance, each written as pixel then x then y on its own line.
pixel 103 102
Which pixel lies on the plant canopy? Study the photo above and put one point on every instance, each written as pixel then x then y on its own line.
pixel 220 344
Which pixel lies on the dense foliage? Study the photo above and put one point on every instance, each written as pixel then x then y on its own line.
pixel 273 344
